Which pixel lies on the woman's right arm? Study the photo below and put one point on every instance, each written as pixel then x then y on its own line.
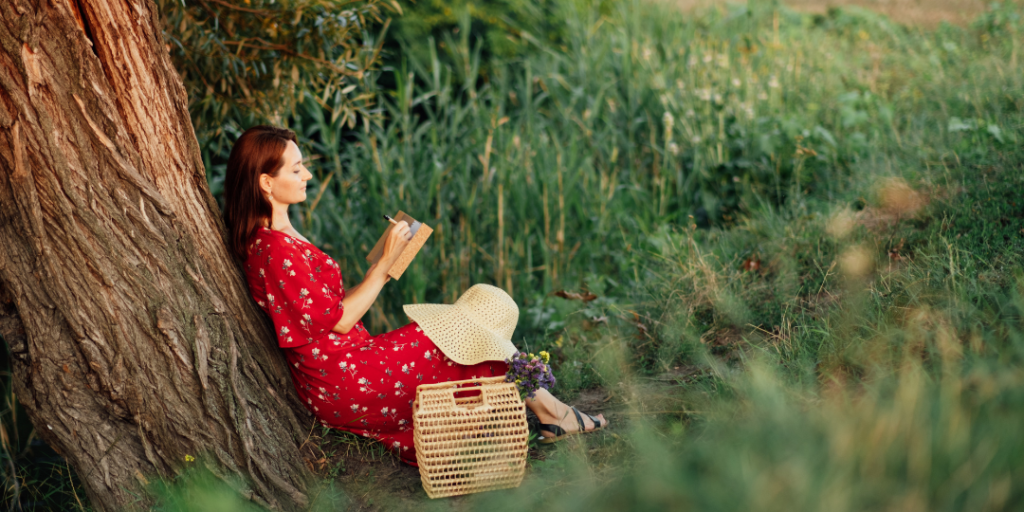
pixel 358 299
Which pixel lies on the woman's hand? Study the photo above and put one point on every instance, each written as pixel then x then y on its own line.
pixel 396 241
pixel 359 298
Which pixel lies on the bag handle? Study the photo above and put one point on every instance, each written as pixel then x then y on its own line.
pixel 455 383
pixel 454 387
pixel 485 393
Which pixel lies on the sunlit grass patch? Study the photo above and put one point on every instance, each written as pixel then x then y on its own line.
pixel 799 239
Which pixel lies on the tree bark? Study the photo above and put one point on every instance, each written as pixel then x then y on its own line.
pixel 134 337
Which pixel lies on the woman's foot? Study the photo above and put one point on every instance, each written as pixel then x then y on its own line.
pixel 577 422
pixel 559 420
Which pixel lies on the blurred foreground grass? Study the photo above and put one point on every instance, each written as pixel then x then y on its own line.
pixel 804 235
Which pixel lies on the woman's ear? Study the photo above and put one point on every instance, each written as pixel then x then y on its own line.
pixel 266 184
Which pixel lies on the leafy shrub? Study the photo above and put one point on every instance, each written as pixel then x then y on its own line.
pixel 252 63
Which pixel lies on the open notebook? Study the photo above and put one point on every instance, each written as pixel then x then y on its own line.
pixel 420 233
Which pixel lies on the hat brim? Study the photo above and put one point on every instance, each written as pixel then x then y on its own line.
pixel 459 337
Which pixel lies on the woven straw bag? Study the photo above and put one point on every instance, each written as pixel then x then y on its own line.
pixel 470 436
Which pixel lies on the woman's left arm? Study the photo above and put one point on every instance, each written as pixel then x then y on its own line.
pixel 368 272
pixel 359 298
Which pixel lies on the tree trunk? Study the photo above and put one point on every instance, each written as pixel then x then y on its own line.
pixel 135 341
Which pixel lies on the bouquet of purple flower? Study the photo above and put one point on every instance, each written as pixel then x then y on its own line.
pixel 529 372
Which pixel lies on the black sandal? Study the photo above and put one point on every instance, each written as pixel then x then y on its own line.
pixel 560 432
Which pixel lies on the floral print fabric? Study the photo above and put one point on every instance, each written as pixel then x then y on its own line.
pixel 355 382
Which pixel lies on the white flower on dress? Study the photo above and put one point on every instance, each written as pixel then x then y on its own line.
pixel 284 331
pixel 384 411
pixel 286 264
pixel 355 408
pixel 316 352
pixel 427 355
pixel 270 297
pixel 343 365
pixel 396 444
pixel 291 274
pixel 262 272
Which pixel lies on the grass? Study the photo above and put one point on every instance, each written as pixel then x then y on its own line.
pixel 802 231
pixel 628 130
pixel 926 13
pixel 34 476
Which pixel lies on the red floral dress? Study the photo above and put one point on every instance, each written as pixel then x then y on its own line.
pixel 356 382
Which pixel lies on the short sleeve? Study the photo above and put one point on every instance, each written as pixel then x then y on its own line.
pixel 302 306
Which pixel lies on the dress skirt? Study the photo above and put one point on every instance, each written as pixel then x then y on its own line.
pixel 353 381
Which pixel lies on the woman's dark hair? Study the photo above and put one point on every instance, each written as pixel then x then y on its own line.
pixel 259 150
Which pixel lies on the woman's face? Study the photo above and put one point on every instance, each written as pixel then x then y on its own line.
pixel 289 186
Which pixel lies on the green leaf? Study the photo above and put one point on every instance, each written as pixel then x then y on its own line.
pixel 994 130
pixel 960 125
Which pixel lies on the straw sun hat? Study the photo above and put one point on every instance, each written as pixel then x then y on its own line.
pixel 478 327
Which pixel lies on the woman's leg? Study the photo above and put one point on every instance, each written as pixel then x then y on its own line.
pixel 552 411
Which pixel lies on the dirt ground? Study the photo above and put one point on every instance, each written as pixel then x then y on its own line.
pixel 926 13
pixel 372 480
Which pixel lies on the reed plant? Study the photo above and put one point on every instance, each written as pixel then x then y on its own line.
pixel 554 171
pixel 801 231
pixel 892 380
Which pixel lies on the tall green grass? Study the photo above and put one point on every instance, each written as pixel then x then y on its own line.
pixel 802 230
pixel 555 171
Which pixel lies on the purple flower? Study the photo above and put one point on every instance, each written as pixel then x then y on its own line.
pixel 529 373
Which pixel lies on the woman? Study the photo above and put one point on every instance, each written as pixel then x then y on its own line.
pixel 348 379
